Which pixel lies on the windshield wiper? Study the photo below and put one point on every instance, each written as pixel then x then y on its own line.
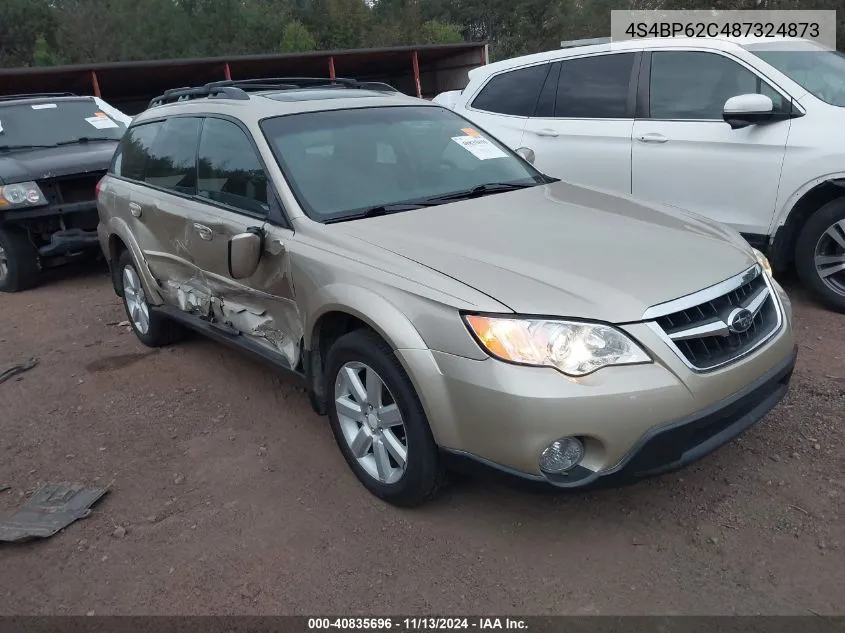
pixel 86 139
pixel 382 209
pixel 4 148
pixel 480 190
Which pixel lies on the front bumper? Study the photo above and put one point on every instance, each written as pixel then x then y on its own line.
pixel 634 420
pixel 668 447
pixel 86 209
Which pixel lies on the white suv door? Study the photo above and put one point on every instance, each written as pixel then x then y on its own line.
pixel 686 155
pixel 581 127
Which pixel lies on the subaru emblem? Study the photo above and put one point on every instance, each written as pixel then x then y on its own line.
pixel 740 320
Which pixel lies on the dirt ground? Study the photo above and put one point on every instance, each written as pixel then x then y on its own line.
pixel 235 500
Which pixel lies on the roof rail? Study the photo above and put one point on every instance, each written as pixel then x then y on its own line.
pixel 587 42
pixel 36 95
pixel 238 88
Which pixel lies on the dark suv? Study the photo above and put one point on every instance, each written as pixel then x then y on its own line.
pixel 54 148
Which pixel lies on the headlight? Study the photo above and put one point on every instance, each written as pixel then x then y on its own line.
pixel 763 261
pixel 21 194
pixel 574 348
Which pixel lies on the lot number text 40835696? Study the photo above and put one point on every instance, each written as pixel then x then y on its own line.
pixel 417 624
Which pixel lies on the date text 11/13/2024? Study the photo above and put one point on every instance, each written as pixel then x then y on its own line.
pixel 417 624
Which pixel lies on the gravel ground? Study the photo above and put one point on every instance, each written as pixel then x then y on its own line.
pixel 229 496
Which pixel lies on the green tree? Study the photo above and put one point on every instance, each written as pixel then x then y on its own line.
pixel 340 23
pixel 296 37
pixel 45 53
pixel 22 22
pixel 434 32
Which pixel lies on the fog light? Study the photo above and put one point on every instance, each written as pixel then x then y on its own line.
pixel 561 455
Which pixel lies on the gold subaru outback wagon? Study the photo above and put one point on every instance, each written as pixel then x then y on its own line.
pixel 444 302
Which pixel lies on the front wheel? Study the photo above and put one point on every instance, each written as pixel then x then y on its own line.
pixel 820 254
pixel 151 328
pixel 378 421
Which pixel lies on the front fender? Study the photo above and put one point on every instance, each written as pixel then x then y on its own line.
pixel 391 324
pixel 786 208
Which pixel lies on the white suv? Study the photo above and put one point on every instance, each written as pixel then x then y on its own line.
pixel 741 131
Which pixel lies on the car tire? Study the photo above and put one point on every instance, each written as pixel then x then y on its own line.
pixel 19 268
pixel 152 328
pixel 823 235
pixel 373 446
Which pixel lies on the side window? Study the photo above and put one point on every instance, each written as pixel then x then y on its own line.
pixel 172 161
pixel 514 92
pixel 595 87
pixel 693 85
pixel 130 159
pixel 229 169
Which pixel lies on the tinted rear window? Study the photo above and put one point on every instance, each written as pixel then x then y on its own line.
pixel 130 161
pixel 172 159
pixel 594 87
pixel 514 92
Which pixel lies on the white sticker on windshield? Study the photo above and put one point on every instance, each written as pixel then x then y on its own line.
pixel 44 106
pixel 479 147
pixel 101 122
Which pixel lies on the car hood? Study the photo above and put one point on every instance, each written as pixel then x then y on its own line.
pixel 51 162
pixel 564 250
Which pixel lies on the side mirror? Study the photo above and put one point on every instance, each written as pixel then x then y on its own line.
pixel 527 153
pixel 245 253
pixel 744 110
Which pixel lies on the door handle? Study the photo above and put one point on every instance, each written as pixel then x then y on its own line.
pixel 652 137
pixel 135 209
pixel 204 232
pixel 546 132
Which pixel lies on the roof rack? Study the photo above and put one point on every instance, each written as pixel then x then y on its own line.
pixel 36 95
pixel 586 42
pixel 238 88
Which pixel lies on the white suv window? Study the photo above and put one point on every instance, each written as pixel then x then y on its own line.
pixel 595 87
pixel 513 92
pixel 695 85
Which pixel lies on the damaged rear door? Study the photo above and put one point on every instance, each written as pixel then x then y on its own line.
pixel 156 169
pixel 234 197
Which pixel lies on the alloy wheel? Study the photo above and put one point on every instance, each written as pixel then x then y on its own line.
pixel 4 264
pixel 830 257
pixel 136 301
pixel 371 422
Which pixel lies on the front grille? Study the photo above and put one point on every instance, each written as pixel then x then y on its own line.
pixel 723 327
pixel 68 189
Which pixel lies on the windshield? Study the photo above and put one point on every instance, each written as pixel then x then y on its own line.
pixel 344 162
pixel 820 72
pixel 54 122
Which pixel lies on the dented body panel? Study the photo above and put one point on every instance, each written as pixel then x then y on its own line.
pixel 185 267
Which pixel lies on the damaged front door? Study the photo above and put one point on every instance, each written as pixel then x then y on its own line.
pixel 235 197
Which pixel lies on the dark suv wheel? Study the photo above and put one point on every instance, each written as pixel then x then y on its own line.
pixel 19 267
pixel 820 254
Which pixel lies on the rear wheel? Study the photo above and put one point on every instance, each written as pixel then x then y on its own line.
pixel 378 421
pixel 820 254
pixel 19 269
pixel 151 328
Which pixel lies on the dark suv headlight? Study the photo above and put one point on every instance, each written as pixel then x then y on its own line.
pixel 21 194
